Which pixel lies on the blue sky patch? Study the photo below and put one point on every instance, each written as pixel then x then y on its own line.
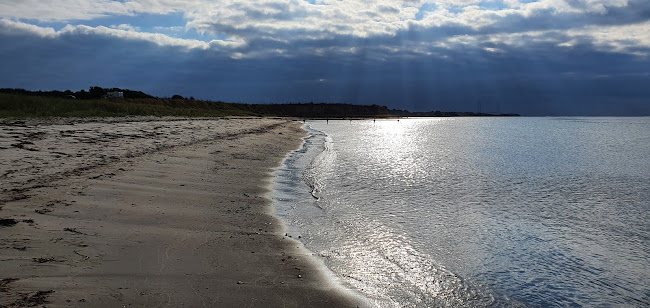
pixel 424 9
pixel 493 5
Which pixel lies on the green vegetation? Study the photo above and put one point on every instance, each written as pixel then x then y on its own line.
pixel 19 103
pixel 93 92
pixel 24 106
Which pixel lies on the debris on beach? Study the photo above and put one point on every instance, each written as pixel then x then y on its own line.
pixel 32 300
pixel 42 211
pixel 73 230
pixel 4 283
pixel 44 259
pixel 7 222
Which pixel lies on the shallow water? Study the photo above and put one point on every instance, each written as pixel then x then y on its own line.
pixel 477 211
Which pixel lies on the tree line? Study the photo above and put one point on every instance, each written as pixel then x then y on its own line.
pixel 92 93
pixel 299 110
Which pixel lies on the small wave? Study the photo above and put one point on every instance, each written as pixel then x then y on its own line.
pixel 322 159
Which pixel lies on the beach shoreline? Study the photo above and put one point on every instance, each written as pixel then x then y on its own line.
pixel 151 212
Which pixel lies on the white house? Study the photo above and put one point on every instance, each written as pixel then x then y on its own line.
pixel 114 94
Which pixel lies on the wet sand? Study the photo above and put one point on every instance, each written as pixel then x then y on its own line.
pixel 150 212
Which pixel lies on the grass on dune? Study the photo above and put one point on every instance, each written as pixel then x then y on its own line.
pixel 23 106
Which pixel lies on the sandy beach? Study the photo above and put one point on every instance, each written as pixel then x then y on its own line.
pixel 150 212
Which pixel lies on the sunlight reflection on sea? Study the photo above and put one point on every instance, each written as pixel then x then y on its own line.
pixel 477 211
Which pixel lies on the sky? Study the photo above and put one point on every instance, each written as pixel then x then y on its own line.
pixel 532 57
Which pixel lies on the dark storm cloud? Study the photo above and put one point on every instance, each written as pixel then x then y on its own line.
pixel 583 58
pixel 542 79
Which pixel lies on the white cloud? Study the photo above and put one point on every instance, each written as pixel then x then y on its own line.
pixel 125 32
pixel 574 6
pixel 61 10
pixel 125 27
pixel 157 38
pixel 628 39
pixel 13 27
pixel 274 25
pixel 168 29
pixel 624 39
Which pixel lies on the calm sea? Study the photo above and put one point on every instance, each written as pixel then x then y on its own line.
pixel 477 212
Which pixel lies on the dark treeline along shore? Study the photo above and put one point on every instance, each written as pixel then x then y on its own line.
pixel 99 102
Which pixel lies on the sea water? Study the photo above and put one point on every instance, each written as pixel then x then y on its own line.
pixel 476 212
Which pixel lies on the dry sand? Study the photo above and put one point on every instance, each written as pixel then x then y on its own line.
pixel 150 212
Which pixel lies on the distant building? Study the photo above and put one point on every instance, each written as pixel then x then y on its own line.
pixel 114 94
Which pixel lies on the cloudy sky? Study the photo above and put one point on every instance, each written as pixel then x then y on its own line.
pixel 534 57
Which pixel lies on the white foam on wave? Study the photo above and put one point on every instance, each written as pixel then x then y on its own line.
pixel 281 199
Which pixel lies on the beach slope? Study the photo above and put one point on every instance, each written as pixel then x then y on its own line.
pixel 150 212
